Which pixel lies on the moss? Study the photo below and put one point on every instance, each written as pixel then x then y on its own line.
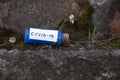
pixel 19 44
pixel 78 31
pixel 4 42
pixel 84 22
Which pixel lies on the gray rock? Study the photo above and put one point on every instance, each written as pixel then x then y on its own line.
pixel 56 65
pixel 38 13
pixel 18 15
pixel 106 17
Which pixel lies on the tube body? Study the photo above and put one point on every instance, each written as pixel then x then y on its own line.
pixel 41 36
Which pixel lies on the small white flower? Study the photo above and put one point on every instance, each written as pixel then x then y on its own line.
pixel 12 39
pixel 72 18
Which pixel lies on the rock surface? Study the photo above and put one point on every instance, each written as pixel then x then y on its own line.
pixel 59 65
pixel 18 15
pixel 37 13
pixel 107 15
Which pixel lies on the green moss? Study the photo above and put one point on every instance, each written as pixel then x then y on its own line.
pixel 84 22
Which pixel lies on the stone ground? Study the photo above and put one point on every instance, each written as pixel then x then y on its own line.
pixel 59 65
